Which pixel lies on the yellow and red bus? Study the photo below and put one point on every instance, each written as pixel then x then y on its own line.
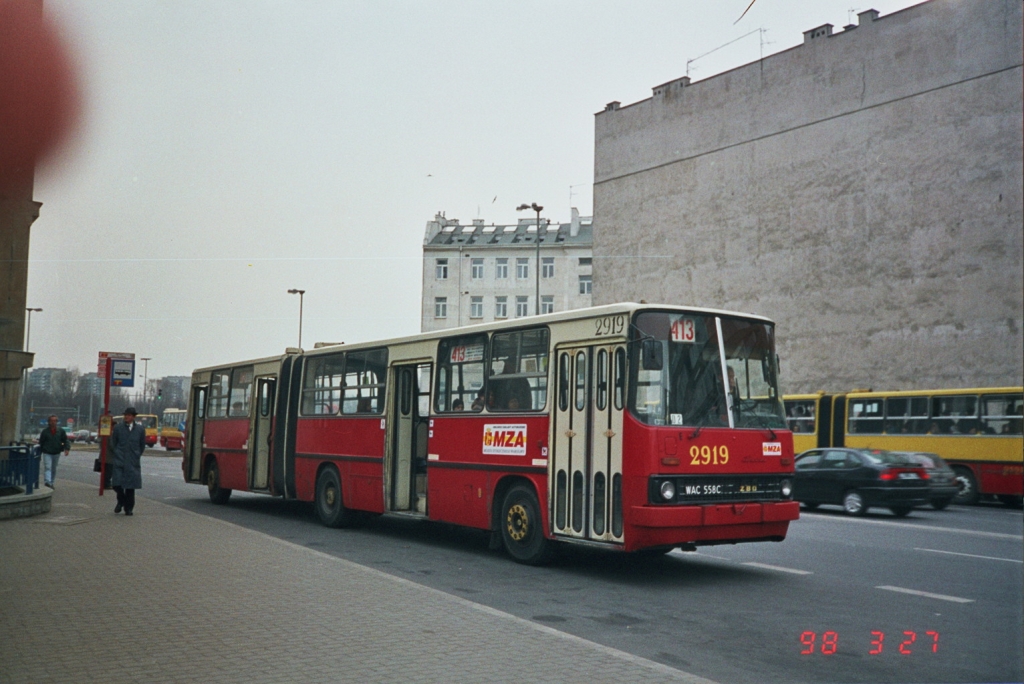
pixel 612 426
pixel 978 431
pixel 172 426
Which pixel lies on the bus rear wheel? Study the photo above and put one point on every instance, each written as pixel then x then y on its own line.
pixel 521 529
pixel 329 505
pixel 218 494
pixel 968 495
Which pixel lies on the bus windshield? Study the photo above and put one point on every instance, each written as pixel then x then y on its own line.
pixel 677 371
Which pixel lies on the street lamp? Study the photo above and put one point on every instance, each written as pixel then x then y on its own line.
pixel 28 328
pixel 24 375
pixel 145 376
pixel 300 293
pixel 537 208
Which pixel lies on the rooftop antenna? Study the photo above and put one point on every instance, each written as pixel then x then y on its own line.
pixel 762 31
pixel 571 193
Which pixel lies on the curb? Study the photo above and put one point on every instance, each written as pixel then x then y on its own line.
pixel 25 505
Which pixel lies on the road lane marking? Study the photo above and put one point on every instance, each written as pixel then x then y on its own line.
pixel 971 555
pixel 915 592
pixel 779 568
pixel 932 528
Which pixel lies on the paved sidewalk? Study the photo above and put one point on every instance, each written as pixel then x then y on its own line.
pixel 171 596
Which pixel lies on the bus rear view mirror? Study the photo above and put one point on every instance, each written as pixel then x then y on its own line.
pixel 651 356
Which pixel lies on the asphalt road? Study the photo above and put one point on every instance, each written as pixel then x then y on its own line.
pixel 937 596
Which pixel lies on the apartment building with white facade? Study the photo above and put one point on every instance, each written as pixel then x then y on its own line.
pixel 479 273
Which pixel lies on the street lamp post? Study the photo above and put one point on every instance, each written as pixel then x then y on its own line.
pixel 537 208
pixel 24 373
pixel 145 378
pixel 28 327
pixel 300 293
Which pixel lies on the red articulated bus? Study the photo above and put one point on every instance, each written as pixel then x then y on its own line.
pixel 629 426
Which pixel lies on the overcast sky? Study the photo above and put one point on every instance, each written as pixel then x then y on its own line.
pixel 230 151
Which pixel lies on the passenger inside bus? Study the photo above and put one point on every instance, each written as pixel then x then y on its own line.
pixel 457 405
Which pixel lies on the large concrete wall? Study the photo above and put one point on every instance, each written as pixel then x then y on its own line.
pixel 863 189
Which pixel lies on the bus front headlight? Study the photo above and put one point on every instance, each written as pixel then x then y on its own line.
pixel 667 490
pixel 786 487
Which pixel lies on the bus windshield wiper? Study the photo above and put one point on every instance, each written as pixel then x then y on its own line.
pixel 759 419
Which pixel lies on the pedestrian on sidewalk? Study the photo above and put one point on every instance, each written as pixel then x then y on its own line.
pixel 127 442
pixel 52 441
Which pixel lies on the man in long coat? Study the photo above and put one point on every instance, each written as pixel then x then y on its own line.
pixel 127 442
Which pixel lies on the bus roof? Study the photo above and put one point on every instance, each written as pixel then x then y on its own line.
pixel 515 323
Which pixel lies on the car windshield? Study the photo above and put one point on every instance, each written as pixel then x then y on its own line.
pixel 885 457
pixel 678 371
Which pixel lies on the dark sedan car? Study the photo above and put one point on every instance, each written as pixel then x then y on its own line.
pixel 942 484
pixel 858 479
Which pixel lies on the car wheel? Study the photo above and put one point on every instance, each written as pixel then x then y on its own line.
pixel 329 505
pixel 809 505
pixel 218 494
pixel 901 511
pixel 853 503
pixel 521 529
pixel 968 495
pixel 939 504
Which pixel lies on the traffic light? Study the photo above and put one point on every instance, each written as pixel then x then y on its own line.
pixel 159 393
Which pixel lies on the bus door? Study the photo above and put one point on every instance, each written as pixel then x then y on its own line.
pixel 262 433
pixel 586 481
pixel 196 418
pixel 410 428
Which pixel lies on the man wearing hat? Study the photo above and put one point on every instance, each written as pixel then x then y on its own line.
pixel 127 442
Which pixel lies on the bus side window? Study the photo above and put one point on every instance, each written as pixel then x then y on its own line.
pixel 563 382
pixel 1001 414
pixel 460 375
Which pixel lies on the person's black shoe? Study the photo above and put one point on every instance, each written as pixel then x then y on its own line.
pixel 127 512
pixel 117 508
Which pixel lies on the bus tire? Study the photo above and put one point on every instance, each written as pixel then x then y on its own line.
pixel 521 529
pixel 329 505
pixel 901 511
pixel 218 494
pixel 968 495
pixel 853 503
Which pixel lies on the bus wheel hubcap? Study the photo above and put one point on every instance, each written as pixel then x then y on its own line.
pixel 518 522
pixel 329 497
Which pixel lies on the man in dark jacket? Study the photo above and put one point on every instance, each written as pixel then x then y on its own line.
pixel 52 442
pixel 127 442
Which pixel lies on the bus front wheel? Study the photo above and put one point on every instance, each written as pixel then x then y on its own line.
pixel 521 529
pixel 218 494
pixel 329 505
pixel 968 495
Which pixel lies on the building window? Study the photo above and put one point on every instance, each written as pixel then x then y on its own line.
pixel 476 307
pixel 584 284
pixel 522 306
pixel 547 267
pixel 440 307
pixel 441 269
pixel 501 307
pixel 477 269
pixel 522 268
pixel 547 304
pixel 585 261
pixel 501 269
